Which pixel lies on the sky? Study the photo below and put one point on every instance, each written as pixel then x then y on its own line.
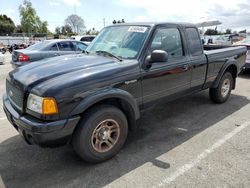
pixel 233 14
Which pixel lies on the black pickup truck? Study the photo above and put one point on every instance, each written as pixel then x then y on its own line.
pixel 92 100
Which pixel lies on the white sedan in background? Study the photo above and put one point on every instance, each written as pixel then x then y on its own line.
pixel 1 58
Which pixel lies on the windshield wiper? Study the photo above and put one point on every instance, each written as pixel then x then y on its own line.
pixel 85 52
pixel 108 53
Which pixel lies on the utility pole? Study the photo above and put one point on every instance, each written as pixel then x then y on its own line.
pixel 104 22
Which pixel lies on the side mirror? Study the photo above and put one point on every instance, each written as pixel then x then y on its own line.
pixel 158 56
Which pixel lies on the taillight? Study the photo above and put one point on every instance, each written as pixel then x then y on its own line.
pixel 23 58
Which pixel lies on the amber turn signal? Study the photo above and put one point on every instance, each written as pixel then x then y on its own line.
pixel 49 106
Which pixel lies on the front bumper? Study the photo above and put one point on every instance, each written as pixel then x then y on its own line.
pixel 40 132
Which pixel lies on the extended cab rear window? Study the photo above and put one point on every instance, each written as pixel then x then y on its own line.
pixel 194 41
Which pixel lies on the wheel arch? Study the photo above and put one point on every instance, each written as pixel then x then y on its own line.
pixel 229 67
pixel 116 97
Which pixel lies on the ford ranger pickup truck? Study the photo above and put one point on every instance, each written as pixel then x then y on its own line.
pixel 91 100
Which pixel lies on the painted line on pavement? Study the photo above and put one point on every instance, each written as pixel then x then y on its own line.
pixel 203 155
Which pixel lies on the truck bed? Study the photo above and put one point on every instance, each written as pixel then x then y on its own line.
pixel 224 52
pixel 219 56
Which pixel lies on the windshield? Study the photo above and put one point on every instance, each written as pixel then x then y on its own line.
pixel 39 45
pixel 122 41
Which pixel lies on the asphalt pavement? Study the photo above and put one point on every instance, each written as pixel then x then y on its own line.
pixel 190 142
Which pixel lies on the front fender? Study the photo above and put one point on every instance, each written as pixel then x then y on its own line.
pixel 110 93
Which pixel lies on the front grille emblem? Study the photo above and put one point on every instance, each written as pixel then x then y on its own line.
pixel 10 93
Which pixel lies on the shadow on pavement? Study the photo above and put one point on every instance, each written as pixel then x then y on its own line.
pixel 160 129
pixel 245 75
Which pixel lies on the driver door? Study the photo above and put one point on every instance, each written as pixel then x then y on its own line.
pixel 162 79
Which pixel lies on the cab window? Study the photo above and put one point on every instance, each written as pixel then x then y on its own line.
pixel 169 40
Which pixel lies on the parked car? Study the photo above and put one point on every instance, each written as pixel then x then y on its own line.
pixel 93 99
pixel 3 50
pixel 1 58
pixel 46 49
pixel 245 42
pixel 87 39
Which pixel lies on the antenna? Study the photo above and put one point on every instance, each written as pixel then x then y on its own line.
pixel 104 22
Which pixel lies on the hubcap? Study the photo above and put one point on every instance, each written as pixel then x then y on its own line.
pixel 225 88
pixel 105 135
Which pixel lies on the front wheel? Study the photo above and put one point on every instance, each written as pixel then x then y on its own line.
pixel 101 134
pixel 223 91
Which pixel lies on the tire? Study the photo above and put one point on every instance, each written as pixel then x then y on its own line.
pixel 100 134
pixel 223 91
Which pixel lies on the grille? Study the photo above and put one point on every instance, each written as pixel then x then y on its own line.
pixel 15 95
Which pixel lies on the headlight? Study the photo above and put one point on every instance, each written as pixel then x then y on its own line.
pixel 42 105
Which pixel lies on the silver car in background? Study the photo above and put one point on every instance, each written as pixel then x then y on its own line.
pixel 245 42
pixel 46 49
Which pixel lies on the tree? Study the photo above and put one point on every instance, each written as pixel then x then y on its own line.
pixel 66 29
pixel 7 26
pixel 30 22
pixel 211 32
pixel 41 27
pixel 243 31
pixel 19 29
pixel 58 30
pixel 118 21
pixel 76 23
pixel 228 31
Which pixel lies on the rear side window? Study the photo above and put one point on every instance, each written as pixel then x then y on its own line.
pixel 169 40
pixel 194 41
pixel 54 48
pixel 66 46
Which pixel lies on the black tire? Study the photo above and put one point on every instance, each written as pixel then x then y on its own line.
pixel 84 140
pixel 216 94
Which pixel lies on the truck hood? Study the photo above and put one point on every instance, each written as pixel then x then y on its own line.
pixel 46 69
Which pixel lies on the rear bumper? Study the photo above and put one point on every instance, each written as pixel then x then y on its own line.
pixel 16 64
pixel 246 66
pixel 38 132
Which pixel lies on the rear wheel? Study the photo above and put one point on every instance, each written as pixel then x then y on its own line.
pixel 223 91
pixel 101 134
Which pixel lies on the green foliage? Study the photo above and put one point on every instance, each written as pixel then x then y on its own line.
pixel 118 21
pixel 92 32
pixel 243 31
pixel 7 26
pixel 64 30
pixel 30 22
pixel 228 31
pixel 58 30
pixel 211 32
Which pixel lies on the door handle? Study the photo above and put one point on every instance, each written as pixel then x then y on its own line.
pixel 185 67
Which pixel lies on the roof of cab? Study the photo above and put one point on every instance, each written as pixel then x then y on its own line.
pixel 151 24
